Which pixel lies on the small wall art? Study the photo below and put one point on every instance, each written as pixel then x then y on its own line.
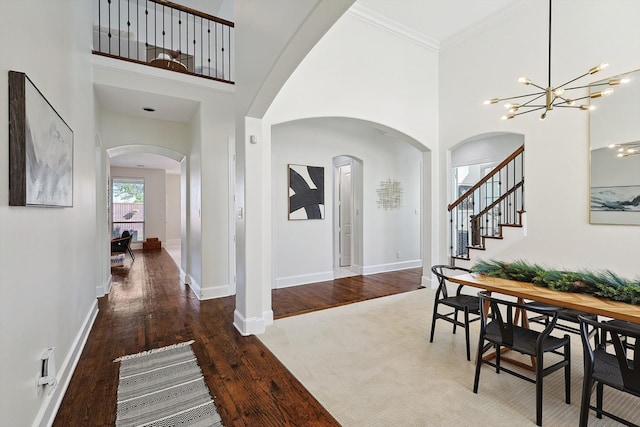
pixel 306 192
pixel 40 148
pixel 389 194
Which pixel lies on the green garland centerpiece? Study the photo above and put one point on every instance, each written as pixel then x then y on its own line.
pixel 604 284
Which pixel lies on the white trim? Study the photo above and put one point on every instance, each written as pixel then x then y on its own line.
pixel 487 23
pixel 185 279
pixel 253 325
pixel 195 286
pixel 51 404
pixel 232 215
pixel 211 292
pixel 158 76
pixel 428 282
pixel 394 266
pixel 393 27
pixel 285 282
pixel 105 288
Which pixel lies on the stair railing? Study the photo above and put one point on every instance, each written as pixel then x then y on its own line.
pixel 497 200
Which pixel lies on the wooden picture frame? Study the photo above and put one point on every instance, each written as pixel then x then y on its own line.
pixel 40 148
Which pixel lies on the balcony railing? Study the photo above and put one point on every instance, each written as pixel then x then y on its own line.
pixel 166 35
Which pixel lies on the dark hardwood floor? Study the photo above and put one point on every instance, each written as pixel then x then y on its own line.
pixel 148 308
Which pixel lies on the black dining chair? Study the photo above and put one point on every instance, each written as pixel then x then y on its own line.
pixel 460 302
pixel 567 317
pixel 618 368
pixel 502 333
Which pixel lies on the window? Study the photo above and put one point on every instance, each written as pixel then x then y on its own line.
pixel 128 207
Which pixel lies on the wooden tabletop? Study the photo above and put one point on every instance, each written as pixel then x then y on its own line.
pixel 582 302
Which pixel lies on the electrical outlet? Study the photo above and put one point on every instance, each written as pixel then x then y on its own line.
pixel 398 254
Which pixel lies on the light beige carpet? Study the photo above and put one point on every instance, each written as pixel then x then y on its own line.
pixel 371 364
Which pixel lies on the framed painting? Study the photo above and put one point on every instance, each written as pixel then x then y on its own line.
pixel 40 148
pixel 306 192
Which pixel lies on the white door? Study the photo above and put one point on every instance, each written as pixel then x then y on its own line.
pixel 344 221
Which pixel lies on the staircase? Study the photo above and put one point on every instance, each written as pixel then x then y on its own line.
pixel 483 212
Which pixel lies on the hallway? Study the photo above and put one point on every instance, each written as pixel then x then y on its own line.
pixel 148 308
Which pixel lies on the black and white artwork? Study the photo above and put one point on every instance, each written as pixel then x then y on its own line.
pixel 306 192
pixel 625 199
pixel 40 149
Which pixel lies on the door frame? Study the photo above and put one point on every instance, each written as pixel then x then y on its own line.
pixel 356 212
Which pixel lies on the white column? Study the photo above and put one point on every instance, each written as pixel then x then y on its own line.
pixel 253 227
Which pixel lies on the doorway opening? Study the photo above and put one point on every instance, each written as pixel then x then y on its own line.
pixel 347 223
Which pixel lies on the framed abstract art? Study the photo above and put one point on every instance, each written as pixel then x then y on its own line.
pixel 306 192
pixel 40 148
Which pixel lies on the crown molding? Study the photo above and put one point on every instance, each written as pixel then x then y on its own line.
pixel 393 27
pixel 491 21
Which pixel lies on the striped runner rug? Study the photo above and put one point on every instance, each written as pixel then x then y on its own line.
pixel 164 387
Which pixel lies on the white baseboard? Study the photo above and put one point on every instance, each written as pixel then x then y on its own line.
pixel 185 279
pixel 427 282
pixel 394 266
pixel 52 402
pixel 285 282
pixel 105 288
pixel 253 325
pixel 211 292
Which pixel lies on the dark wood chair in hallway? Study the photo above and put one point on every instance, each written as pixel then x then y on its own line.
pixel 123 245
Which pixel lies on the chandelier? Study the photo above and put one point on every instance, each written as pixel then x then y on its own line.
pixel 550 97
pixel 626 150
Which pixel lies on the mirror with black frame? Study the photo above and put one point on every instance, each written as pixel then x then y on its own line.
pixel 614 133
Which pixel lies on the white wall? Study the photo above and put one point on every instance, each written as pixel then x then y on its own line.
pixel 380 75
pixel 172 229
pixel 362 71
pixel 48 262
pixel 155 199
pixel 303 250
pixel 557 150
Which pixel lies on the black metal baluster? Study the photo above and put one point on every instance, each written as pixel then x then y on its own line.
pixel 177 50
pixel 138 30
pixel 155 30
pixel 119 31
pixel 215 36
pixel 128 30
pixel 146 29
pixel 109 29
pixel 164 33
pixel 99 27
pixel 208 48
pixel 194 38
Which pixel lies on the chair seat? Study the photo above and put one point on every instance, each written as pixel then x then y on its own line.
pixel 564 314
pixel 462 301
pixel 524 340
pixel 607 369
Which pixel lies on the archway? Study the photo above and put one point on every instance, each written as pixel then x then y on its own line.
pixel 162 170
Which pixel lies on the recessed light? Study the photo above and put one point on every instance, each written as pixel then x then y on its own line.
pixel 149 109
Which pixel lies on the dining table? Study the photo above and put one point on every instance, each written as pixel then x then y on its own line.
pixel 572 300
pixel 528 291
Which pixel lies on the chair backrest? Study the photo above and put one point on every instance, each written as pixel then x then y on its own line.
pixel 501 311
pixel 443 272
pixel 620 335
